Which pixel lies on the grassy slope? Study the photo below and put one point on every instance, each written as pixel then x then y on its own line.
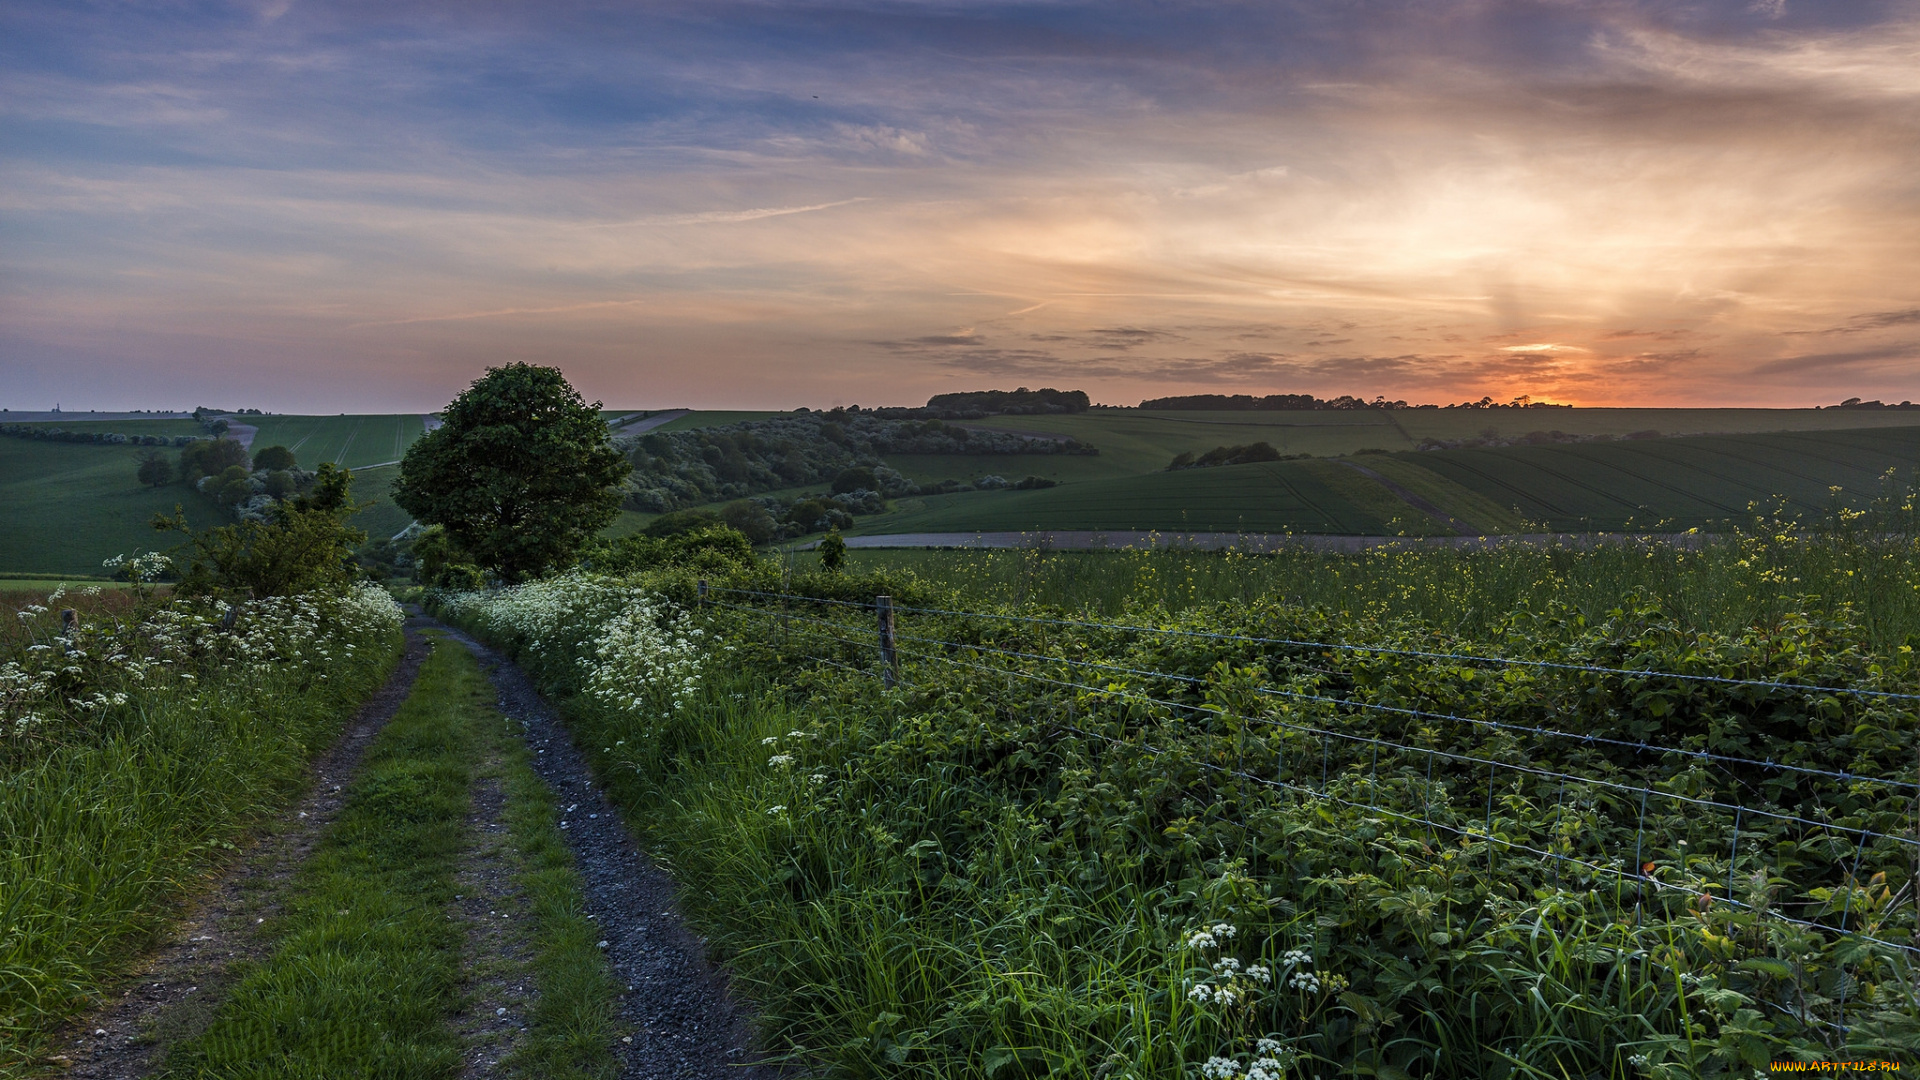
pixel 1678 483
pixel 715 418
pixel 351 441
pixel 64 507
pixel 1142 441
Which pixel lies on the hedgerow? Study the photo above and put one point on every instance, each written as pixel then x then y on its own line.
pixel 1252 840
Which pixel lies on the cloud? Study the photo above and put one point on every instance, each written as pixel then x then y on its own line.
pixel 1822 363
pixel 723 217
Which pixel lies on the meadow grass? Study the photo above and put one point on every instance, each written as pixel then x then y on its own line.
pixel 65 507
pixel 369 968
pixel 107 824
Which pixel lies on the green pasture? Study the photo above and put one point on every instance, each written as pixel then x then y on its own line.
pixel 1676 483
pixel 65 507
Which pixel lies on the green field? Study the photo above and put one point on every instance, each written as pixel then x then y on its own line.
pixel 716 418
pixel 1139 441
pixel 1286 496
pixel 1642 484
pixel 1679 482
pixel 68 506
pixel 349 441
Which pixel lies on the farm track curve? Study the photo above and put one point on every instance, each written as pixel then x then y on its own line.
pixel 686 1025
pixel 176 990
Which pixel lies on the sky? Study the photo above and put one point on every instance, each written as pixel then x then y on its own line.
pixel 359 206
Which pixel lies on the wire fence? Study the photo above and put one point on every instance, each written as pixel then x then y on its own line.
pixel 878 651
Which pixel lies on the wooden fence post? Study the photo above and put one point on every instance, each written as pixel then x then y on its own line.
pixel 889 660
pixel 703 592
pixel 69 627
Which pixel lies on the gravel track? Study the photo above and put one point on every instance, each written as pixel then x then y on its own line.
pixel 685 1024
pixel 175 991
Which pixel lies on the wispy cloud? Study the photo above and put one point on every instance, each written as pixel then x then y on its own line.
pixel 759 204
pixel 724 217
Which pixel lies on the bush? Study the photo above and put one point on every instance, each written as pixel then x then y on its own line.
pixel 715 549
pixel 210 457
pixel 751 520
pixel 682 521
pixel 858 478
pixel 155 470
pixel 274 459
pixel 1035 483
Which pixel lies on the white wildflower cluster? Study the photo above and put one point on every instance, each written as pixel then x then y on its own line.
pixel 1223 982
pixel 1268 1061
pixel 143 566
pixel 59 675
pixel 635 648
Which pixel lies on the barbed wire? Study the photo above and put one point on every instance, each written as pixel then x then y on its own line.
pixel 1420 819
pixel 1424 654
pixel 1585 739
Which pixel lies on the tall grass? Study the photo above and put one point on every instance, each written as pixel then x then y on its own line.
pixel 111 814
pixel 1714 584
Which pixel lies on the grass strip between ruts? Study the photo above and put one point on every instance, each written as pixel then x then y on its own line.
pixel 368 971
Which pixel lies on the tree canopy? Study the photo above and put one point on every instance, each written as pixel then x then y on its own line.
pixel 520 474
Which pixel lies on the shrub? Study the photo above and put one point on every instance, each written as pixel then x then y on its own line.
pixel 750 519
pixel 274 459
pixel 210 457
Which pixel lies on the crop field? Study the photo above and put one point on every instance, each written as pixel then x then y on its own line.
pixel 1287 496
pixel 1676 482
pixel 1149 439
pixel 348 441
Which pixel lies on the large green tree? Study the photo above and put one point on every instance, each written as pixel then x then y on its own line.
pixel 520 474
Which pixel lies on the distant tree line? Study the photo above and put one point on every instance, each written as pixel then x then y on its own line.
pixel 978 405
pixel 1307 402
pixel 104 438
pixel 673 470
pixel 1856 403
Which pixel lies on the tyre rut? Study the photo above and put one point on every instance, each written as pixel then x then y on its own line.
pixel 685 1024
pixel 175 991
